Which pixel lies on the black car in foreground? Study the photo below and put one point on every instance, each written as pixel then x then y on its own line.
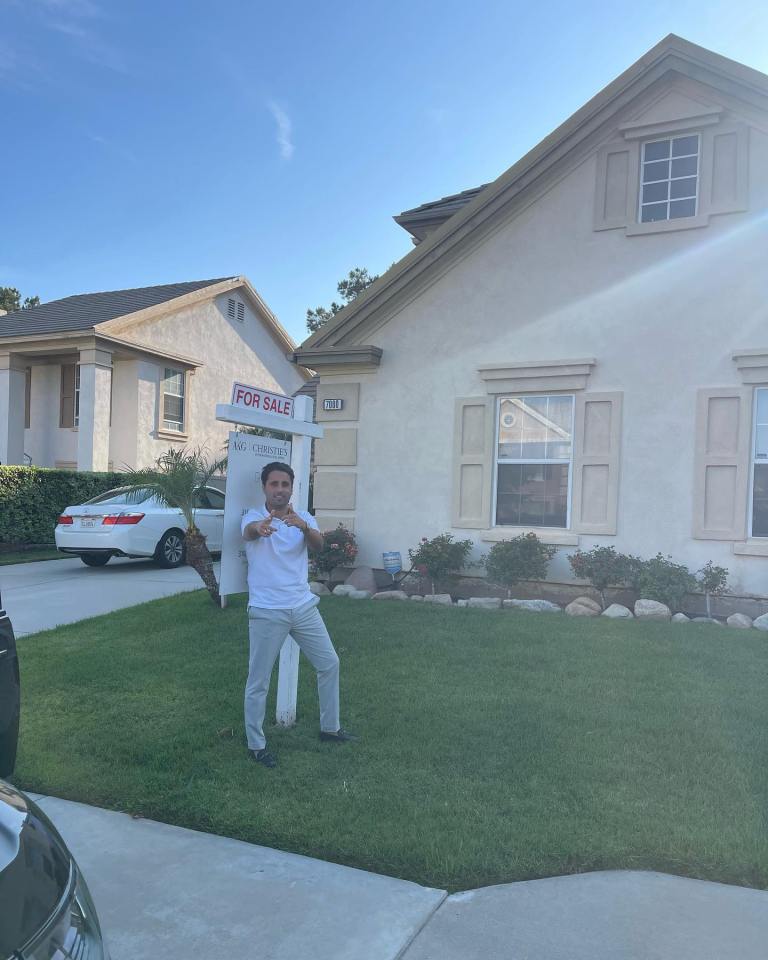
pixel 46 912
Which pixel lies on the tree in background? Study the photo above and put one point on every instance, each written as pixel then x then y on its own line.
pixel 349 289
pixel 10 300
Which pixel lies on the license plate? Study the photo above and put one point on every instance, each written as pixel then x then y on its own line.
pixel 87 524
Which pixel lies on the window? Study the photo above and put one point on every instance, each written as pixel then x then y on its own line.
pixel 759 498
pixel 533 461
pixel 669 179
pixel 173 400
pixel 27 395
pixel 77 395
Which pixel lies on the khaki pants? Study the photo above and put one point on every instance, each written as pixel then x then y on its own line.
pixel 267 630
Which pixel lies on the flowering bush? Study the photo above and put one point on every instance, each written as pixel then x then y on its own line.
pixel 603 567
pixel 339 550
pixel 713 581
pixel 440 558
pixel 521 558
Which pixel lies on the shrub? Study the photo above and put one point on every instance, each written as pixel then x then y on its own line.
pixel 440 558
pixel 661 579
pixel 339 549
pixel 713 580
pixel 31 498
pixel 603 567
pixel 522 558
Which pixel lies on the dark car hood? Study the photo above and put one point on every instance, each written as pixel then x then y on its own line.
pixel 34 869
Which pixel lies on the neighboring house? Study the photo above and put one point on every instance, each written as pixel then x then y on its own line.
pixel 107 380
pixel 579 348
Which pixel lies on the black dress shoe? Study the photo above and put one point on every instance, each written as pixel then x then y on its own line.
pixel 264 757
pixel 341 736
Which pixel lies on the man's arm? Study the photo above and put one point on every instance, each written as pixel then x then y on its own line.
pixel 313 537
pixel 258 528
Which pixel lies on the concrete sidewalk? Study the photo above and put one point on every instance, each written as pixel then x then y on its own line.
pixel 41 595
pixel 169 893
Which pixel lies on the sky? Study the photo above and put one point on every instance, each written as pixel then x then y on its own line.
pixel 158 141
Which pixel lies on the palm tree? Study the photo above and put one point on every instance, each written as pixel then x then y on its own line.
pixel 175 481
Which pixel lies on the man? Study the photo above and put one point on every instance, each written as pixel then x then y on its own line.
pixel 280 602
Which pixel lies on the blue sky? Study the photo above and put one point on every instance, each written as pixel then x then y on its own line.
pixel 154 141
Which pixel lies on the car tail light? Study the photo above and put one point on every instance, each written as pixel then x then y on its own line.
pixel 119 519
pixel 64 520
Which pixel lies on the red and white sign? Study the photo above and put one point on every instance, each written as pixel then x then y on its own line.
pixel 254 399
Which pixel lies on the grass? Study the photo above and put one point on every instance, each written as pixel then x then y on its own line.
pixel 30 556
pixel 496 746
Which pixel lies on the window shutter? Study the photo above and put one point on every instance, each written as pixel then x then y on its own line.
pixel 615 190
pixel 473 462
pixel 67 398
pixel 722 464
pixel 597 444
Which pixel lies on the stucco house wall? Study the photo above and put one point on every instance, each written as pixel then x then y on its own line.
pixel 661 315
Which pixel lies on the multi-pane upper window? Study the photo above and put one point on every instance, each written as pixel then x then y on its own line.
pixel 77 394
pixel 759 517
pixel 173 400
pixel 533 461
pixel 670 176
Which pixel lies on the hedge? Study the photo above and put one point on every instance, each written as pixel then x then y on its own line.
pixel 31 498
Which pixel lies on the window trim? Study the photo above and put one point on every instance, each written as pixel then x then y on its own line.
pixel 670 179
pixel 752 465
pixel 27 397
pixel 76 398
pixel 163 429
pixel 505 460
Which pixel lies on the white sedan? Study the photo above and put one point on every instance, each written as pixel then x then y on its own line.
pixel 123 523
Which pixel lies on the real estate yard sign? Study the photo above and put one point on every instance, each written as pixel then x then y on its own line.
pixel 247 456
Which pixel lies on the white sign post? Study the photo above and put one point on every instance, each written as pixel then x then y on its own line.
pixel 259 408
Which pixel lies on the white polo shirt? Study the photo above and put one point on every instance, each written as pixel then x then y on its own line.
pixel 277 565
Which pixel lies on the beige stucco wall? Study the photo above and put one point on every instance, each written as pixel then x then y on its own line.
pixel 44 440
pixel 661 314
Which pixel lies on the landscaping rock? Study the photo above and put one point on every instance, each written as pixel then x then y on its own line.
pixel 362 578
pixel 417 596
pixel 461 603
pixel 583 607
pixel 358 594
pixel 444 598
pixel 343 590
pixel 535 606
pixel 706 620
pixel 617 611
pixel 740 620
pixel 761 623
pixel 652 610
pixel 319 589
pixel 485 603
pixel 390 595
pixel 680 618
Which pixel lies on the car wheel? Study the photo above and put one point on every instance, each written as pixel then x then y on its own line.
pixel 95 559
pixel 171 551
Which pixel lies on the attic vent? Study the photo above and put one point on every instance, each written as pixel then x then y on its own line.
pixel 231 308
pixel 240 311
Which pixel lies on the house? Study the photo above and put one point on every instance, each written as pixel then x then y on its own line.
pixel 107 380
pixel 578 349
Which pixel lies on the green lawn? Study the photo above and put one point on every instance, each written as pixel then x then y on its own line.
pixel 30 556
pixel 496 746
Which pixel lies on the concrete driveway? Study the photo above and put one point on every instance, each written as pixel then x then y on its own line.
pixel 41 595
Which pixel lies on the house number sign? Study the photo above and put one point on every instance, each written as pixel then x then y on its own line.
pixel 333 404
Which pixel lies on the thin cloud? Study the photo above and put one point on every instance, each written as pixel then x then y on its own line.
pixel 284 129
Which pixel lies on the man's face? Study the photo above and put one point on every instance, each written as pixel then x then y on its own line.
pixel 278 490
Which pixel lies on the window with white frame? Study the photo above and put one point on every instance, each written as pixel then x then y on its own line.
pixel 759 499
pixel 173 400
pixel 534 451
pixel 77 395
pixel 669 178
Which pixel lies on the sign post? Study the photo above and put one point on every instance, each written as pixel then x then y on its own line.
pixel 260 408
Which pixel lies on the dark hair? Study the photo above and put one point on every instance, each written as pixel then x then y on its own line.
pixel 275 465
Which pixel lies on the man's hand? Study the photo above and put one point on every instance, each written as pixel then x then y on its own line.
pixel 292 519
pixel 260 528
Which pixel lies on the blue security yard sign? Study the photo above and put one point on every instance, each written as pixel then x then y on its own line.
pixel 393 562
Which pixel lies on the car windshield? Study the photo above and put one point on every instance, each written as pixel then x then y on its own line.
pixel 122 495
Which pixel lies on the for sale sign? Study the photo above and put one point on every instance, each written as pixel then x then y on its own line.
pixel 252 398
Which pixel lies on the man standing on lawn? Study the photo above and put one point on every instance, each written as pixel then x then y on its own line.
pixel 281 603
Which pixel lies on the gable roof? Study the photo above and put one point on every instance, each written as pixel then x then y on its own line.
pixel 85 310
pixel 418 220
pixel 375 305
